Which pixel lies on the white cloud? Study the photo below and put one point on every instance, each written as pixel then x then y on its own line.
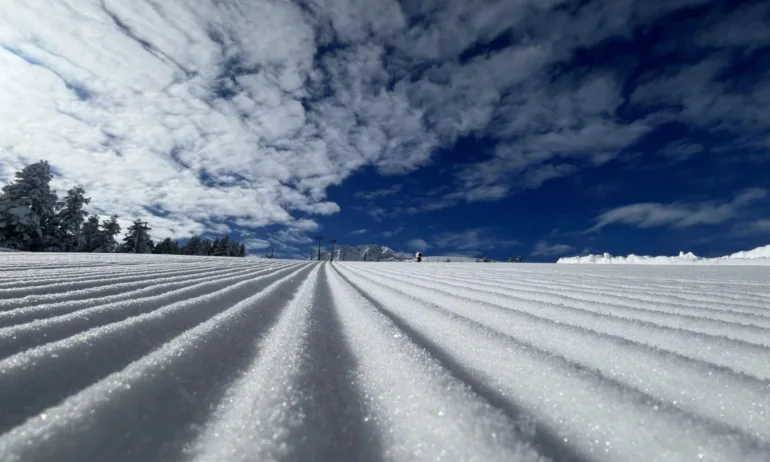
pixel 393 232
pixel 247 112
pixel 544 249
pixel 418 244
pixel 678 214
pixel 358 231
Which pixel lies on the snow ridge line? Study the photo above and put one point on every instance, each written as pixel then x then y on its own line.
pixel 299 399
pixel 72 286
pixel 87 276
pixel 741 356
pixel 15 339
pixel 541 438
pixel 43 374
pixel 554 386
pixel 94 292
pixel 31 312
pixel 645 280
pixel 751 333
pixel 666 374
pixel 190 371
pixel 651 296
pixel 658 293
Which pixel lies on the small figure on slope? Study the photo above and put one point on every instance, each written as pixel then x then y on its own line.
pixel 418 256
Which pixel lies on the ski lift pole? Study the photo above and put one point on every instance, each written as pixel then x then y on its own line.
pixel 331 257
pixel 319 239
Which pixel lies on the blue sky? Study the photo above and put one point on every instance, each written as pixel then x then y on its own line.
pixel 541 128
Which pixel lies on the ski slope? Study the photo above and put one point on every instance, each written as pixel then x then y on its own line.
pixel 160 358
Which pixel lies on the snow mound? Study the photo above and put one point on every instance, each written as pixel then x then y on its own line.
pixel 758 256
pixel 759 252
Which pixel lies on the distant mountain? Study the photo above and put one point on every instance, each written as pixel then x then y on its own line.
pixel 371 252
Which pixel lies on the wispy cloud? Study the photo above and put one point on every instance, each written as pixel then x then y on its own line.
pixel 379 193
pixel 358 231
pixel 544 249
pixel 418 244
pixel 393 232
pixel 471 239
pixel 678 214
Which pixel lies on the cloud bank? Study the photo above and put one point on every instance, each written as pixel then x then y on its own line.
pixel 234 114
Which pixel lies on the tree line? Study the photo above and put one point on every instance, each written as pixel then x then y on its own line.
pixel 33 218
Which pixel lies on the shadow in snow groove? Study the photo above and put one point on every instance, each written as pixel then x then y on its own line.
pixel 544 440
pixel 334 427
pixel 164 411
pixel 28 391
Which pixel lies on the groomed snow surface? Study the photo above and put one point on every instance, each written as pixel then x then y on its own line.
pixel 159 358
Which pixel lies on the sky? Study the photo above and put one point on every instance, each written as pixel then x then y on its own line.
pixel 485 128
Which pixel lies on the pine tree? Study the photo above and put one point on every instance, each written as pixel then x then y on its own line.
pixel 205 248
pixel 109 229
pixel 69 220
pixel 27 206
pixel 137 239
pixel 216 247
pixel 192 246
pixel 167 247
pixel 223 250
pixel 242 251
pixel 90 235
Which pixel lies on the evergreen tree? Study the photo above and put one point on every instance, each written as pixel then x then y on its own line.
pixel 222 247
pixel 216 247
pixel 205 248
pixel 90 235
pixel 233 248
pixel 242 250
pixel 192 246
pixel 167 247
pixel 137 239
pixel 109 229
pixel 69 220
pixel 27 206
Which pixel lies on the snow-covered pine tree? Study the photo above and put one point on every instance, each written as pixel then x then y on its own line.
pixel 69 220
pixel 137 239
pixel 109 229
pixel 27 206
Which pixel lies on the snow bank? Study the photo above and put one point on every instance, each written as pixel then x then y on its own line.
pixel 758 256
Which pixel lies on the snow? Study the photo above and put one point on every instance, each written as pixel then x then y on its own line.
pixel 758 256
pixel 371 252
pixel 157 357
